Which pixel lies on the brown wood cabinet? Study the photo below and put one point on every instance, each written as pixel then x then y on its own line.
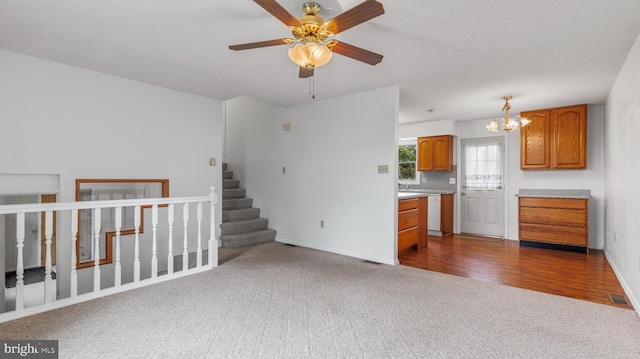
pixel 446 214
pixel 556 138
pixel 435 153
pixel 563 221
pixel 412 223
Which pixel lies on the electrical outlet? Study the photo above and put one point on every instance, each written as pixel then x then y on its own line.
pixel 423 179
pixel 321 223
pixel 452 180
pixel 284 170
pixel 286 126
pixel 212 161
pixel 615 236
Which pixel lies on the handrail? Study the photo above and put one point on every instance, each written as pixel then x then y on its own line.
pixel 191 224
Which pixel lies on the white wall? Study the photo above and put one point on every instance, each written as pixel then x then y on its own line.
pixel 622 131
pixel 592 178
pixel 331 156
pixel 75 123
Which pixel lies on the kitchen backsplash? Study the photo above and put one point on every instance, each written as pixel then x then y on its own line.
pixel 438 180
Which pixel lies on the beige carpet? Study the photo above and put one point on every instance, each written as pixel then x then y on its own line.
pixel 277 301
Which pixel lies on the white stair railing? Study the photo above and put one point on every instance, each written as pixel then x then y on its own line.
pixel 159 236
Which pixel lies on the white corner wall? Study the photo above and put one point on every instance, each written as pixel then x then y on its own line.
pixel 75 123
pixel 331 157
pixel 622 168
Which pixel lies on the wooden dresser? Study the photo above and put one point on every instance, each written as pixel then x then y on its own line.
pixel 412 223
pixel 554 218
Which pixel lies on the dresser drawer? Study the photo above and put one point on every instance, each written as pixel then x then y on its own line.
pixel 408 219
pixel 567 203
pixel 572 236
pixel 406 204
pixel 407 238
pixel 554 216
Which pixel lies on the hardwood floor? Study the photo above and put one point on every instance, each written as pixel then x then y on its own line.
pixel 576 275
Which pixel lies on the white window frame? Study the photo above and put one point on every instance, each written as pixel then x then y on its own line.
pixel 409 142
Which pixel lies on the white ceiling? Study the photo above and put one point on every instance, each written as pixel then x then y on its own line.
pixel 457 57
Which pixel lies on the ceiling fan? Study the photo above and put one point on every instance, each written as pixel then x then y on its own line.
pixel 312 34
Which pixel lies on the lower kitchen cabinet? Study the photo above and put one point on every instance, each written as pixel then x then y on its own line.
pixel 412 223
pixel 559 221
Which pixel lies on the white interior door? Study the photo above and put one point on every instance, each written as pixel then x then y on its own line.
pixel 482 196
pixel 31 235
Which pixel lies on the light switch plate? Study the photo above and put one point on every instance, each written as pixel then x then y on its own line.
pixel 212 161
pixel 383 168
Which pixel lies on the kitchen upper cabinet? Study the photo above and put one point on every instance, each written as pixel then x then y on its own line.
pixel 435 153
pixel 555 139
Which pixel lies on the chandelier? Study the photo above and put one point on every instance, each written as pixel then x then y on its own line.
pixel 508 123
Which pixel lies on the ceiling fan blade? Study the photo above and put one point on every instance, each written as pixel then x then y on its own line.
pixel 355 16
pixel 279 12
pixel 357 53
pixel 255 45
pixel 305 72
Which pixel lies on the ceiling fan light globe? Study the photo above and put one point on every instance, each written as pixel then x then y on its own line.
pixel 310 55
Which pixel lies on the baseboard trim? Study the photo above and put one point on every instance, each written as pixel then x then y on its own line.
pixel 627 289
pixel 341 252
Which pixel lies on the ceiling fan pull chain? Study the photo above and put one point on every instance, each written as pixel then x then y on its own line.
pixel 312 87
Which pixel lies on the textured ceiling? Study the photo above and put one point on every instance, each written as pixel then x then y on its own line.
pixel 457 57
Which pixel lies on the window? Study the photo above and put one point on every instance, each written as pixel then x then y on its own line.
pixel 482 167
pixel 407 161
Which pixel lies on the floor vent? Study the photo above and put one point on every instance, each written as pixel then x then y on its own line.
pixel 620 299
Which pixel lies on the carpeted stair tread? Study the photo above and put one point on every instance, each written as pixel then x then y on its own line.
pixel 234 193
pixel 230 183
pixel 241 223
pixel 238 227
pixel 241 240
pixel 238 203
pixel 240 214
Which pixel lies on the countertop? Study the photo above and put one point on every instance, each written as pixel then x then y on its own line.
pixel 416 193
pixel 555 193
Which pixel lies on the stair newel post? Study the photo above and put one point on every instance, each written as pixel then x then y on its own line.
pixel 213 243
pixel 20 263
pixel 136 250
pixel 170 255
pixel 97 225
pixel 154 246
pixel 74 259
pixel 185 220
pixel 199 250
pixel 49 289
pixel 118 265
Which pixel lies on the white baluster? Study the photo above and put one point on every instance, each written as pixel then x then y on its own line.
pixel 213 243
pixel 185 219
pixel 20 264
pixel 118 265
pixel 74 241
pixel 97 225
pixel 154 247
pixel 170 255
pixel 49 289
pixel 136 251
pixel 199 250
